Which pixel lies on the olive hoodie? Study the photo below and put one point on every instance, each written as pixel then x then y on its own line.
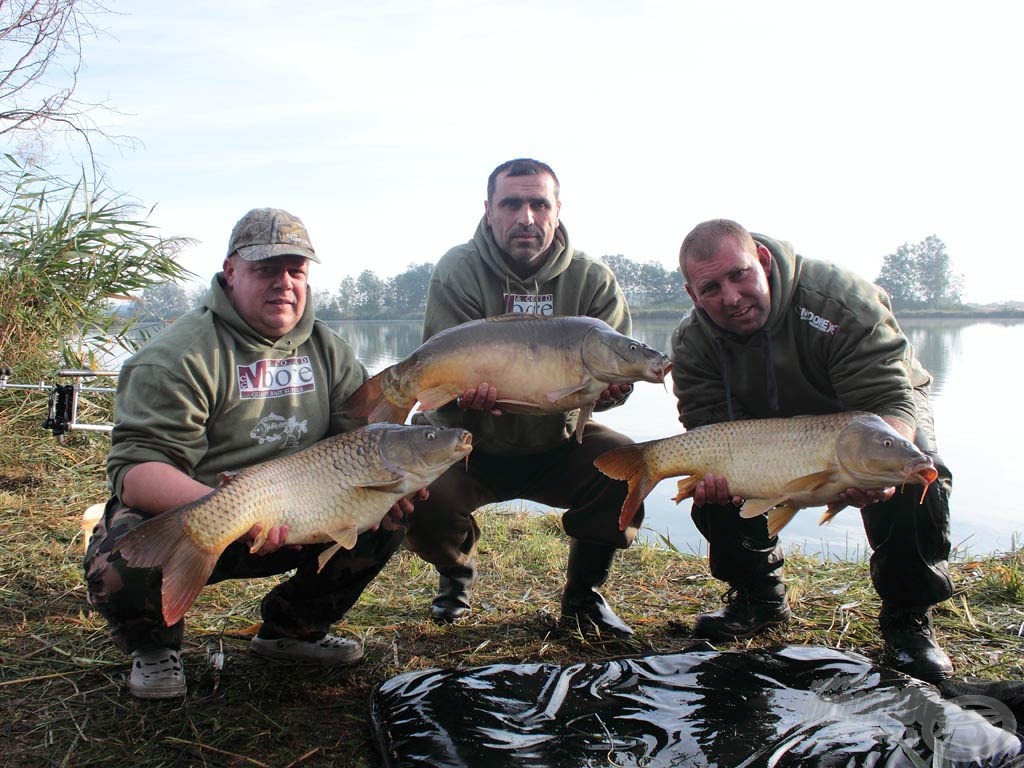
pixel 208 394
pixel 831 343
pixel 473 281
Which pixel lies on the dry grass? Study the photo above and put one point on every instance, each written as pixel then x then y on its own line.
pixel 62 696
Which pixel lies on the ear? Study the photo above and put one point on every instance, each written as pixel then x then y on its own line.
pixel 764 258
pixel 693 296
pixel 228 268
pixel 487 211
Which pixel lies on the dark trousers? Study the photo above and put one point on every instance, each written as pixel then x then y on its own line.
pixel 909 539
pixel 303 606
pixel 443 531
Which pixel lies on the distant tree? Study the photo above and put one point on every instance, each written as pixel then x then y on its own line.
pixel 939 284
pixel 369 298
pixel 921 275
pixel 164 302
pixel 345 298
pixel 406 292
pixel 649 284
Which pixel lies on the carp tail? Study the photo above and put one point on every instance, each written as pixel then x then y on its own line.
pixel 370 402
pixel 162 542
pixel 627 463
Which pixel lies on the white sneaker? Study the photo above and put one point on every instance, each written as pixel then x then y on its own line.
pixel 328 650
pixel 157 674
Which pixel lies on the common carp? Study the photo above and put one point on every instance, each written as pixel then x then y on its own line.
pixel 332 491
pixel 538 364
pixel 778 466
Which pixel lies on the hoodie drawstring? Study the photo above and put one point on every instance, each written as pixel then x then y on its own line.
pixel 769 372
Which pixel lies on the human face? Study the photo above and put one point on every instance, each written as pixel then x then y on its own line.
pixel 732 286
pixel 523 215
pixel 269 295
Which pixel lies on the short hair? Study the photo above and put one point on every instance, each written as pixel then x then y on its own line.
pixel 521 166
pixel 702 241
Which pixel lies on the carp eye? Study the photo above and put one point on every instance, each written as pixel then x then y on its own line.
pixel 634 347
pixel 430 435
pixel 887 442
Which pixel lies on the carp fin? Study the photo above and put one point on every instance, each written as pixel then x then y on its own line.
pixel 684 488
pixel 779 517
pixel 433 398
pixel 755 507
pixel 832 511
pixel 811 482
pixel 260 540
pixel 344 537
pixel 558 394
pixel 581 420
pixel 223 478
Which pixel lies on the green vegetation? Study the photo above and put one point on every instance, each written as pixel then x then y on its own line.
pixel 67 256
pixel 62 696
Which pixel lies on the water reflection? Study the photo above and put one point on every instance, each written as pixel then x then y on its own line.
pixel 380 344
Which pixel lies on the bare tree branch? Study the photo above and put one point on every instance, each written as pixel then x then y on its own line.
pixel 40 46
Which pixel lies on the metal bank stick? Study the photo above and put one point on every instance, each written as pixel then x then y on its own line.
pixel 62 415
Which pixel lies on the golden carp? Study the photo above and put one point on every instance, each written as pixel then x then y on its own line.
pixel 538 364
pixel 332 491
pixel 777 465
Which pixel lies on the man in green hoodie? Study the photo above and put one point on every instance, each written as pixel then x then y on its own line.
pixel 520 260
pixel 775 334
pixel 248 376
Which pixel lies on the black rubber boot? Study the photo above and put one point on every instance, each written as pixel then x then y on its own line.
pixel 749 609
pixel 583 607
pixel 910 643
pixel 455 586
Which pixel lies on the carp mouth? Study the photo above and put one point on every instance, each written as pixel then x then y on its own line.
pixel 658 370
pixel 922 472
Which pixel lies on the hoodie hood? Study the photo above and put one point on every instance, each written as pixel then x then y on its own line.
pixel 217 301
pixel 556 261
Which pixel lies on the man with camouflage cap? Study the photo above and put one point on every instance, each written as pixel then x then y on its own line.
pixel 248 376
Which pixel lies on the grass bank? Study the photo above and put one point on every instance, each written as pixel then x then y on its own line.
pixel 62 697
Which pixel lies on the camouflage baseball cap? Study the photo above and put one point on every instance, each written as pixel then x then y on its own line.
pixel 264 233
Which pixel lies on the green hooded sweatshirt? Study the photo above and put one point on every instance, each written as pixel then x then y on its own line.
pixel 208 394
pixel 831 344
pixel 473 281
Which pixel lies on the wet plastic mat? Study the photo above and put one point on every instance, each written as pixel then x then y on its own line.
pixel 790 706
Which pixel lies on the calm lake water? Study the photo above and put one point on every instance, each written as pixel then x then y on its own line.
pixel 969 400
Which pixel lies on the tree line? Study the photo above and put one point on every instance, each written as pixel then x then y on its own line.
pixel 915 276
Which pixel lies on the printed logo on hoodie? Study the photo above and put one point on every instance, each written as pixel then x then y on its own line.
pixel 818 322
pixel 265 379
pixel 528 304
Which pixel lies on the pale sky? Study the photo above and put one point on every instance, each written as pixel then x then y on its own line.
pixel 847 129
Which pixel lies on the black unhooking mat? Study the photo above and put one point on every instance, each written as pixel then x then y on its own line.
pixel 789 706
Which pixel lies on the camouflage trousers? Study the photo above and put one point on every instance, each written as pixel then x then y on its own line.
pixel 302 606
